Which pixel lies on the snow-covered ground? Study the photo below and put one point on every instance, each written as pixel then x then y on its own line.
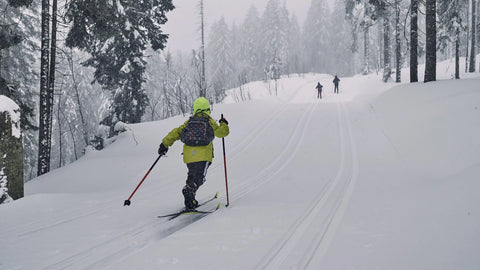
pixel 380 176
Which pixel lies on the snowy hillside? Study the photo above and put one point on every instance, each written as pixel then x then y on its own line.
pixel 380 176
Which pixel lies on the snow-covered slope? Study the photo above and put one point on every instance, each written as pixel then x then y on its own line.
pixel 380 176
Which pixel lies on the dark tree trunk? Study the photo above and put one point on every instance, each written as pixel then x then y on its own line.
pixel 51 75
pixel 457 56
pixel 398 42
pixel 11 157
pixel 387 66
pixel 431 46
pixel 473 35
pixel 366 50
pixel 203 88
pixel 414 41
pixel 44 147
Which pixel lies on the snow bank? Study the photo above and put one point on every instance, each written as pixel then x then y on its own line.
pixel 9 106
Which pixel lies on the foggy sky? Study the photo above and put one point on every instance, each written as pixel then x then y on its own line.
pixel 184 21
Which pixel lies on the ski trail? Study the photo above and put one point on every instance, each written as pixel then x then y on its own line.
pixel 254 133
pixel 115 248
pixel 310 236
pixel 324 242
pixel 288 153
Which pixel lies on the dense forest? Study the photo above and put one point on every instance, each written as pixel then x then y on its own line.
pixel 79 69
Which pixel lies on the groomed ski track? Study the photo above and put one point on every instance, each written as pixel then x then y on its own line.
pixel 306 126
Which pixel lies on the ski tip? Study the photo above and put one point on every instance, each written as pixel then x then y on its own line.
pixel 218 206
pixel 216 195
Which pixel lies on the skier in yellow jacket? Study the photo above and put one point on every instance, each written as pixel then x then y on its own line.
pixel 197 134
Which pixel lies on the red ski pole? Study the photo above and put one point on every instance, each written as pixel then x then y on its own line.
pixel 225 166
pixel 127 202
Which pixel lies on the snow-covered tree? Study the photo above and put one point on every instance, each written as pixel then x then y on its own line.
pixel 341 41
pixel 316 37
pixel 274 35
pixel 383 11
pixel 361 20
pixel 221 59
pixel 294 60
pixel 452 23
pixel 249 54
pixel 19 20
pixel 116 34
pixel 11 151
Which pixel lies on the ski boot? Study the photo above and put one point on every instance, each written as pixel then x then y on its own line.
pixel 189 195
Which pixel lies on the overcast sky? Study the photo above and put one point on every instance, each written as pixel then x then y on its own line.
pixel 184 21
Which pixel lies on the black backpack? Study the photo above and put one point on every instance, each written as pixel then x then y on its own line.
pixel 197 132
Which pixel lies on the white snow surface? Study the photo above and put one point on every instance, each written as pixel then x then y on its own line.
pixel 9 106
pixel 380 176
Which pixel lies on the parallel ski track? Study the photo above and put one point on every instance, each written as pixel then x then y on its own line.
pixel 123 243
pixel 134 238
pixel 129 240
pixel 270 172
pixel 308 239
pixel 238 149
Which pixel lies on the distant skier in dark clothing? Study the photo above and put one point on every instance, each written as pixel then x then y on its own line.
pixel 336 80
pixel 319 88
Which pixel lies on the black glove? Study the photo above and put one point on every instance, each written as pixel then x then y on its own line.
pixel 162 150
pixel 223 120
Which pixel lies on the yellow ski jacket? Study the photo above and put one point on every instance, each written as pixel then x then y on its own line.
pixel 197 153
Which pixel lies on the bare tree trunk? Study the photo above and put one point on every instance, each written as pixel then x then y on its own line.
pixel 51 75
pixel 11 158
pixel 457 55
pixel 431 44
pixel 387 66
pixel 203 87
pixel 473 53
pixel 398 42
pixel 44 148
pixel 60 144
pixel 414 41
pixel 468 36
pixel 79 102
pixel 366 50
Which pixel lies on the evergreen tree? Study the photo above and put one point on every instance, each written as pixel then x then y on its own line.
pixel 294 61
pixel 316 38
pixel 116 34
pixel 341 37
pixel 274 37
pixel 221 60
pixel 249 40
pixel 452 24
pixel 361 19
pixel 19 30
pixel 383 11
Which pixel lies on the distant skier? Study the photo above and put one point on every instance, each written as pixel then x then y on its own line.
pixel 197 134
pixel 336 80
pixel 319 88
